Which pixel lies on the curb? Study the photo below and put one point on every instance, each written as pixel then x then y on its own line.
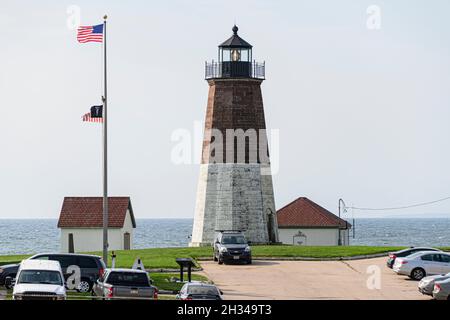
pixel 168 270
pixel 361 257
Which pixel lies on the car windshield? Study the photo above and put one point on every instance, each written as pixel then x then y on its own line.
pixel 128 279
pixel 203 290
pixel 233 239
pixel 40 277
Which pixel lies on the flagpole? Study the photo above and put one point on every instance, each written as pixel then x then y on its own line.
pixel 105 151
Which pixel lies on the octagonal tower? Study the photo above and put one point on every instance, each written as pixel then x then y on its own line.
pixel 235 190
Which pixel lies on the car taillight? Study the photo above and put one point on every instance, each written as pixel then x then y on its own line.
pixel 392 256
pixel 437 287
pixel 404 262
pixel 155 294
pixel 110 293
pixel 187 298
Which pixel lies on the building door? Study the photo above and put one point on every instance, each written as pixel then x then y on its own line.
pixel 71 244
pixel 126 241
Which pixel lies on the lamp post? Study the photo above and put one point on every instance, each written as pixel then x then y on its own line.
pixel 345 210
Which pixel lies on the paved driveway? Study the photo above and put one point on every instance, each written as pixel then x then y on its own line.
pixel 311 280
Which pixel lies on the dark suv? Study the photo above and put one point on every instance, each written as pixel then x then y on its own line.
pixel 231 246
pixel 91 267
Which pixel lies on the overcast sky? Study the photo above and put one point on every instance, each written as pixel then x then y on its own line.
pixel 362 113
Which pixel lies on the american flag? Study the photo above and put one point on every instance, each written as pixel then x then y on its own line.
pixel 87 118
pixel 90 33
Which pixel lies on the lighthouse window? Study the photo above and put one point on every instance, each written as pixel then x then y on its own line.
pixel 244 55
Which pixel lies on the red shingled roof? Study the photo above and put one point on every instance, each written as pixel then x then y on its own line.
pixel 87 212
pixel 306 213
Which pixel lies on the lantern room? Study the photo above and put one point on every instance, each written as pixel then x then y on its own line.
pixel 234 60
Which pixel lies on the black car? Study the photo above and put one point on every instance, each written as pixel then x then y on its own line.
pixel 91 267
pixel 231 246
pixel 9 270
pixel 404 253
pixel 199 291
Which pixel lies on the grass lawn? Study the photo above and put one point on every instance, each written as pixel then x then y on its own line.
pixel 165 257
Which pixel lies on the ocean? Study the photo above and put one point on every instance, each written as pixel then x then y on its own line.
pixel 32 236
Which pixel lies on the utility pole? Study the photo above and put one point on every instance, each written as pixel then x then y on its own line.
pixel 339 229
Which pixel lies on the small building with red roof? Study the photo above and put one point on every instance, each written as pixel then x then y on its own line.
pixel 81 224
pixel 304 222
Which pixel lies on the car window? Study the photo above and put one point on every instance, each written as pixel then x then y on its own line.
pixel 445 258
pixel 428 257
pixel 203 290
pixel 87 262
pixel 40 277
pixel 65 261
pixel 437 257
pixel 41 258
pixel 233 239
pixel 128 279
pixel 183 290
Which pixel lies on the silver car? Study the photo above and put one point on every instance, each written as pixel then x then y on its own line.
pixel 419 265
pixel 426 285
pixel 442 290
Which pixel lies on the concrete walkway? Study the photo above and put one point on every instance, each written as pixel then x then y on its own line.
pixel 356 279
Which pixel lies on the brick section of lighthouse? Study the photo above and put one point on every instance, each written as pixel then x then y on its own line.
pixel 235 190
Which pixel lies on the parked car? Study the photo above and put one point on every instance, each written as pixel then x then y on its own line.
pixel 420 264
pixel 442 290
pixel 404 253
pixel 125 284
pixel 426 285
pixel 199 291
pixel 91 267
pixel 231 246
pixel 39 280
pixel 9 270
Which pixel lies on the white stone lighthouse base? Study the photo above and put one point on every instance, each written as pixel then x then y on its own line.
pixel 233 197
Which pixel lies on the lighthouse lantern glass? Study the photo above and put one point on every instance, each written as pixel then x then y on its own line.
pixel 235 55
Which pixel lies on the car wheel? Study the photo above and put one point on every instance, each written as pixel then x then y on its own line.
pixel 418 274
pixel 84 286
pixel 249 261
pixel 9 287
pixel 214 257
pixel 220 260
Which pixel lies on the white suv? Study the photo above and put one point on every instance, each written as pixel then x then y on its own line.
pixel 422 264
pixel 39 280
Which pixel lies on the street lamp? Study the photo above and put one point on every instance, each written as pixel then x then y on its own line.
pixel 339 229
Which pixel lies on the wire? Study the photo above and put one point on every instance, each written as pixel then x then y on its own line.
pixel 402 207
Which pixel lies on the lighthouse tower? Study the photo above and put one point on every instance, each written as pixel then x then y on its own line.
pixel 235 190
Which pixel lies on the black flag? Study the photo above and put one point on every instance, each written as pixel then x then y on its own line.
pixel 97 112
